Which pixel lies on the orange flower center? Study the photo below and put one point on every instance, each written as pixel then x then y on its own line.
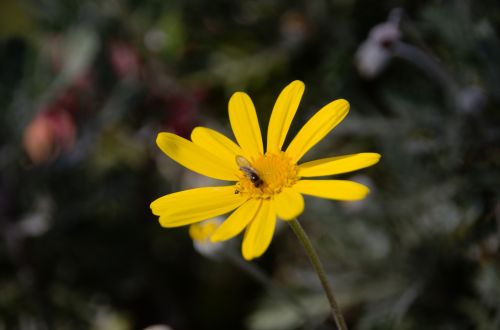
pixel 272 172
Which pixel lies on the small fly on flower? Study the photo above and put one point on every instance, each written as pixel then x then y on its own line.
pixel 249 171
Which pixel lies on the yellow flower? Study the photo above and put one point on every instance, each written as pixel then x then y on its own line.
pixel 266 185
pixel 201 232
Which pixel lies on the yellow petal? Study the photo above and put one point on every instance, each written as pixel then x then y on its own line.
pixel 337 165
pixel 217 144
pixel 289 204
pixel 282 115
pixel 317 128
pixel 237 221
pixel 260 232
pixel 195 158
pixel 190 206
pixel 332 189
pixel 245 125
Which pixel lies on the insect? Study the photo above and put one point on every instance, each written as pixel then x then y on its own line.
pixel 249 171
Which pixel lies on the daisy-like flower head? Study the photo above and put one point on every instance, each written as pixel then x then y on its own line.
pixel 201 232
pixel 266 185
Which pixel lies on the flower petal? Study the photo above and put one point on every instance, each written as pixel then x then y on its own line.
pixel 217 144
pixel 190 206
pixel 282 115
pixel 337 165
pixel 289 204
pixel 260 232
pixel 245 124
pixel 333 189
pixel 237 221
pixel 195 158
pixel 317 128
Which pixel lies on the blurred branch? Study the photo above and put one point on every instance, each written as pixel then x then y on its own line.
pixel 423 61
pixel 257 274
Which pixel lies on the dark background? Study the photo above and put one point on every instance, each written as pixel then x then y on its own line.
pixel 85 86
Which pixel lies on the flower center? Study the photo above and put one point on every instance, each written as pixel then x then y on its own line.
pixel 267 175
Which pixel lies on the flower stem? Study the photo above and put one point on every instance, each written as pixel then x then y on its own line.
pixel 318 267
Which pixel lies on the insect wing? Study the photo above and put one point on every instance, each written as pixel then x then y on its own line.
pixel 243 162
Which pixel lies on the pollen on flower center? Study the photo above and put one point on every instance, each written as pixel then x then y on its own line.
pixel 275 171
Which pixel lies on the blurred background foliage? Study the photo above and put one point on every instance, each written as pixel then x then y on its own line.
pixel 85 86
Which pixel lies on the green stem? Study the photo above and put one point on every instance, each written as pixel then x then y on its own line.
pixel 313 257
